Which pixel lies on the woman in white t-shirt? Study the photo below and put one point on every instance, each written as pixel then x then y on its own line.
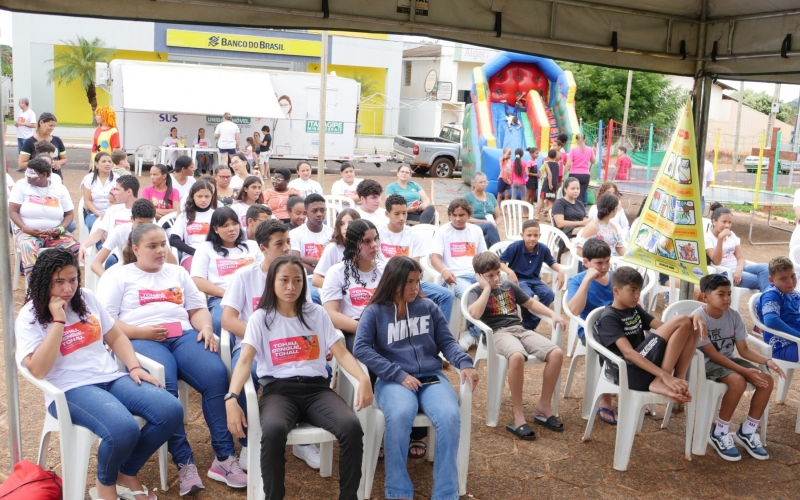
pixel 205 160
pixel 225 251
pixel 41 212
pixel 96 187
pixel 183 175
pixel 191 226
pixel 227 134
pixel 172 142
pixel 248 195
pixel 160 309
pixel 724 252
pixel 304 184
pixel 347 185
pixel 349 285
pixel 289 337
pixel 62 332
pixel 334 250
pixel 620 219
pixel 239 167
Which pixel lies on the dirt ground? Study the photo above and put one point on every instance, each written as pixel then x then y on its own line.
pixel 555 465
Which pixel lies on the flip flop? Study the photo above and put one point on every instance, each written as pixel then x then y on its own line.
pixel 124 493
pixel 552 422
pixel 648 412
pixel 523 432
pixel 607 411
pixel 417 445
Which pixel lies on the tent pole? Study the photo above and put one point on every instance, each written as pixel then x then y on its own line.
pixel 649 151
pixel 323 103
pixel 9 345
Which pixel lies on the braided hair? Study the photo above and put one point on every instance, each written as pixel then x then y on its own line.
pixel 352 252
pixel 40 284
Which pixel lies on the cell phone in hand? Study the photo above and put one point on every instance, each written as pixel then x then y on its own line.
pixel 429 380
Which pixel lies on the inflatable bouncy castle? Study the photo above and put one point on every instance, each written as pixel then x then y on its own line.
pixel 518 101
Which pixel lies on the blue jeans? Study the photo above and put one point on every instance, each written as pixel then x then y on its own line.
pixel 108 409
pixel 215 308
pixel 462 283
pixel 20 142
pixel 185 358
pixel 72 226
pixel 755 276
pixel 315 297
pixel 89 220
pixel 490 234
pixel 242 398
pixel 110 261
pixel 400 406
pixel 546 297
pixel 440 295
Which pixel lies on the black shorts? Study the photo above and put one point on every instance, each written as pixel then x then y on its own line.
pixel 653 349
pixel 549 194
pixel 533 183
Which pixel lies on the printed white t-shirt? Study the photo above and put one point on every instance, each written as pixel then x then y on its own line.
pixel 194 233
pixel 405 243
pixel 41 208
pixel 332 254
pixel 140 298
pixel 227 131
pixel 100 191
pixel 309 243
pixel 115 215
pixel 306 187
pixel 28 117
pixel 357 296
pixel 288 348
pixel 458 247
pixel 728 247
pixel 82 358
pixel 236 182
pixel 341 188
pixel 209 264
pixel 244 293
pixel 378 217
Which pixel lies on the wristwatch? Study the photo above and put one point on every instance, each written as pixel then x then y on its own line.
pixel 230 395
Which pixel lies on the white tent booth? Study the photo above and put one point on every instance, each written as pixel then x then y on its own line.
pixel 704 39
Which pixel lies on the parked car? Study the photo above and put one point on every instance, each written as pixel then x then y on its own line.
pixel 751 162
pixel 440 156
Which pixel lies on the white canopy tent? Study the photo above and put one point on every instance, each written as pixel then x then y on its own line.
pixel 705 39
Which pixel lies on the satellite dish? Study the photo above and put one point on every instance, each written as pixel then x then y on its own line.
pixel 430 81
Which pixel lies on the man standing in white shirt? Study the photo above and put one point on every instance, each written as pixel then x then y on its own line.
pixel 708 179
pixel 309 239
pixel 228 134
pixel 26 122
pixel 454 246
pixel 369 192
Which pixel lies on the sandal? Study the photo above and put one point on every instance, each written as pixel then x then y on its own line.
pixel 607 411
pixel 523 432
pixel 552 422
pixel 417 445
pixel 649 412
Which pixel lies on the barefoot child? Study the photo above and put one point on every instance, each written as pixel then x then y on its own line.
pixel 495 303
pixel 726 329
pixel 624 328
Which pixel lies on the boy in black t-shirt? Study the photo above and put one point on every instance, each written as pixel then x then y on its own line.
pixel 651 357
pixel 495 303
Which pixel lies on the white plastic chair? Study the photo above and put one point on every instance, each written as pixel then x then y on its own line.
pixel 335 204
pixel 145 153
pixel 90 278
pixel 75 441
pixel 513 216
pixel 551 237
pixel 168 221
pixel 425 232
pixel 580 351
pixel 788 367
pixel 794 256
pixel 631 404
pixel 374 425
pixel 497 365
pixel 706 225
pixel 83 231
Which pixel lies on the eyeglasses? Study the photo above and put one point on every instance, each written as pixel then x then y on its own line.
pixel 721 279
pixel 276 179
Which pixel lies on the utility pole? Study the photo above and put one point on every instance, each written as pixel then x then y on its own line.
pixel 738 126
pixel 624 139
pixel 776 102
pixel 323 102
pixel 796 134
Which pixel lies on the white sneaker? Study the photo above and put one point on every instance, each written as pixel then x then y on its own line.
pixel 307 452
pixel 465 340
pixel 243 458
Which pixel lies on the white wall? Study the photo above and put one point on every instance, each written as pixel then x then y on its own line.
pixel 420 118
pixel 716 110
pixel 33 38
pixel 465 75
pixel 419 71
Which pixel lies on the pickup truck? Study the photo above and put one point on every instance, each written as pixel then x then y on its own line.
pixel 438 155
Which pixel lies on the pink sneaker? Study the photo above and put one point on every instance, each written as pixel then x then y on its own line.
pixel 228 472
pixel 189 479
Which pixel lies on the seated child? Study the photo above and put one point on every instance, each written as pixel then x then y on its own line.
pixel 779 308
pixel 726 329
pixel 496 305
pixel 651 357
pixel 522 261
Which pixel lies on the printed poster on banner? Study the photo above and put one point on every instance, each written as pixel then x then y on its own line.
pixel 669 234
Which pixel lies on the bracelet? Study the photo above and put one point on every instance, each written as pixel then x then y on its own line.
pixel 59 321
pixel 61 229
pixel 135 367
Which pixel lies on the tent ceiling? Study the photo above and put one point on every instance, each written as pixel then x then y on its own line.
pixel 736 39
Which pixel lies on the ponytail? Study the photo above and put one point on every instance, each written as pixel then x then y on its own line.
pixel 518 170
pixel 128 257
pixel 606 205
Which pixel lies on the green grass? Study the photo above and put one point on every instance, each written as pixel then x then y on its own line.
pixel 786 212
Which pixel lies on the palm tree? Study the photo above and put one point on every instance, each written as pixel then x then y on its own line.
pixel 77 62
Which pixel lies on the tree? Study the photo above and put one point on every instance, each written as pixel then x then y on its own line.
pixel 6 60
pixel 761 101
pixel 601 96
pixel 77 63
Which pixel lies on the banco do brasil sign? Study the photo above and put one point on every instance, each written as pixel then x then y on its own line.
pixel 242 43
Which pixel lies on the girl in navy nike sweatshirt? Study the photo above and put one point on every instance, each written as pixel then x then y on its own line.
pixel 399 338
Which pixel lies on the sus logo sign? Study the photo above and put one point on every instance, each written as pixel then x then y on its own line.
pixel 164 117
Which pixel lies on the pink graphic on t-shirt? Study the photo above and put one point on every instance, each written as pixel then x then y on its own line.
pixel 47 201
pixel 174 295
pixel 197 228
pixel 390 251
pixel 80 335
pixel 256 300
pixel 118 222
pixel 360 296
pixel 226 267
pixel 462 249
pixel 294 349
pixel 313 250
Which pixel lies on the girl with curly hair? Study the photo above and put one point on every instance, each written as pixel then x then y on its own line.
pixel 106 135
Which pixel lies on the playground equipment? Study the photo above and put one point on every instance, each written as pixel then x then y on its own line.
pixel 534 90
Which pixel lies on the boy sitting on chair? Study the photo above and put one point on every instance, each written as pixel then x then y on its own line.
pixel 650 357
pixel 779 308
pixel 726 330
pixel 496 305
